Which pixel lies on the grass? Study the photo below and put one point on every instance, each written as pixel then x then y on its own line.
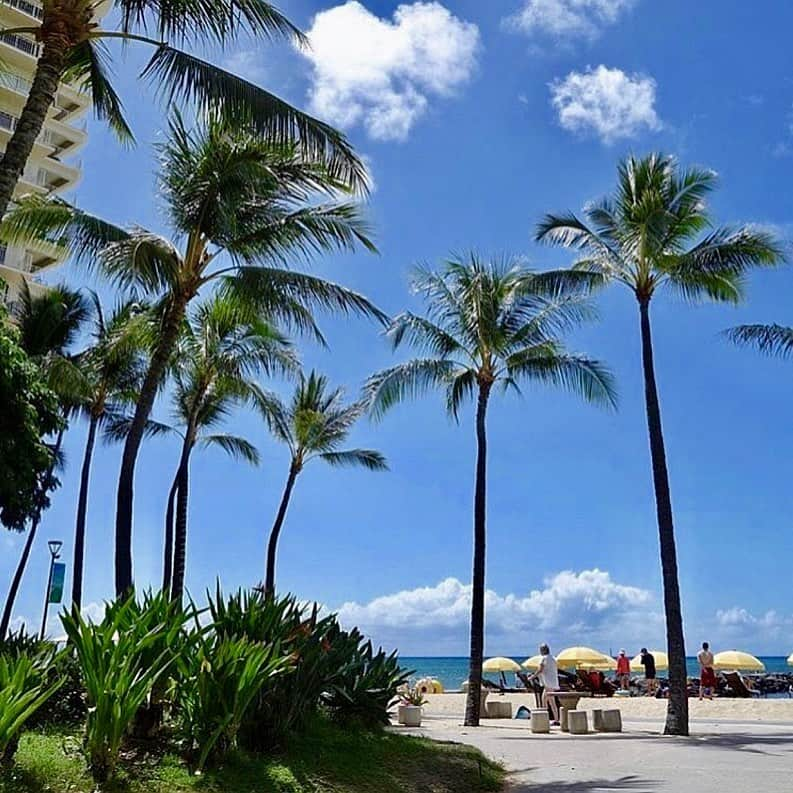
pixel 327 760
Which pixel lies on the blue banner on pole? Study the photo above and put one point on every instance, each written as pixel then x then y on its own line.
pixel 58 578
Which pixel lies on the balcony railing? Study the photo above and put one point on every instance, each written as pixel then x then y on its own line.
pixel 21 43
pixel 32 9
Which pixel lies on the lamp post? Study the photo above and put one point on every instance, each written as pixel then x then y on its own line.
pixel 55 553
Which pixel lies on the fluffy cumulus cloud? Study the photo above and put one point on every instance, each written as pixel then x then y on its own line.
pixel 766 633
pixel 383 73
pixel 607 102
pixel 567 18
pixel 572 607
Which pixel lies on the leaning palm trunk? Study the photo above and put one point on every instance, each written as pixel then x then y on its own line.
pixel 157 366
pixel 272 546
pixel 40 99
pixel 677 709
pixel 167 560
pixel 474 700
pixel 82 507
pixel 180 532
pixel 5 621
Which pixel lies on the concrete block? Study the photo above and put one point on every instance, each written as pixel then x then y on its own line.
pixel 578 722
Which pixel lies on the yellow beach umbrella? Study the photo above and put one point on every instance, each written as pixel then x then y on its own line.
pixel 661 661
pixel 733 659
pixel 585 657
pixel 500 664
pixel 790 660
pixel 533 663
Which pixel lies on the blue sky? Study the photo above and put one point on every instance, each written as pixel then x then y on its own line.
pixel 476 118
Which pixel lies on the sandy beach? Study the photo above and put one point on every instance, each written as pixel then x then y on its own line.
pixel 761 710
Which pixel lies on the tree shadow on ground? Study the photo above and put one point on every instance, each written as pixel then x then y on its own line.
pixel 739 742
pixel 632 783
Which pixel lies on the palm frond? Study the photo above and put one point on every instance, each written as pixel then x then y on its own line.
pixel 775 340
pixel 235 446
pixel 351 458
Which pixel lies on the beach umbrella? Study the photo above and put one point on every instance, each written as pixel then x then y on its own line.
pixel 585 657
pixel 661 661
pixel 790 660
pixel 533 663
pixel 500 664
pixel 733 659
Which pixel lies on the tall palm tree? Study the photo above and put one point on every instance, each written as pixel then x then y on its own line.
pixel 313 426
pixel 655 233
pixel 73 46
pixel 49 324
pixel 112 368
pixel 222 350
pixel 227 194
pixel 489 323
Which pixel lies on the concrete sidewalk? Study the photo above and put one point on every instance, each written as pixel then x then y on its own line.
pixel 717 758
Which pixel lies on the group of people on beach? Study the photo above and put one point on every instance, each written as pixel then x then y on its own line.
pixel 548 675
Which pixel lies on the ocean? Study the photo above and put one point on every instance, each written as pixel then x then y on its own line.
pixel 453 671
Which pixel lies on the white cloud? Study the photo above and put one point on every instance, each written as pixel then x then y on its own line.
pixel 606 101
pixel 382 73
pixel 583 607
pixel 567 18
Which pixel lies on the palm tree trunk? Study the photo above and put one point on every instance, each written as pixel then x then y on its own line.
pixel 180 533
pixel 272 546
pixel 5 621
pixel 473 701
pixel 167 561
pixel 124 500
pixel 677 708
pixel 82 507
pixel 40 99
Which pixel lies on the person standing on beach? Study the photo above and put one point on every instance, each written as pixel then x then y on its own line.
pixel 623 671
pixel 548 673
pixel 707 677
pixel 648 662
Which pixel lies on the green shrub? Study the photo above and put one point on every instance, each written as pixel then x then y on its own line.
pixel 121 660
pixel 68 709
pixel 216 684
pixel 23 690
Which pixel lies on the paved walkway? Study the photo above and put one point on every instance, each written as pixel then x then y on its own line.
pixel 719 757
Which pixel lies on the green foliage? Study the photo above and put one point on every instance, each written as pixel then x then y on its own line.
pixel 217 682
pixel 24 688
pixel 122 659
pixel 30 413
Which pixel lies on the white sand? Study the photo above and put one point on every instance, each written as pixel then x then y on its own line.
pixel 779 710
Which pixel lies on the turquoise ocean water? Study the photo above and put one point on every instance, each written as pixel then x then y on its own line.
pixel 453 671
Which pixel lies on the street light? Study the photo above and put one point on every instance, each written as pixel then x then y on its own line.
pixel 55 554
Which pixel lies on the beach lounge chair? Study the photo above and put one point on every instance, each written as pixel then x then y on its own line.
pixel 603 688
pixel 738 687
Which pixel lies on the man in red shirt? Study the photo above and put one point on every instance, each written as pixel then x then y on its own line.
pixel 623 670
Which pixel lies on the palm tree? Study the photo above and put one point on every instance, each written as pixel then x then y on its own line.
pixel 313 426
pixel 112 368
pixel 226 193
pixel 73 47
pixel 49 323
pixel 655 233
pixel 221 351
pixel 489 323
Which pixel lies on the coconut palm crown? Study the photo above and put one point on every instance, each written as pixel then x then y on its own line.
pixel 242 211
pixel 655 233
pixel 488 324
pixel 313 425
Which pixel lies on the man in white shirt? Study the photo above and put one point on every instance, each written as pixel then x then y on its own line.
pixel 548 673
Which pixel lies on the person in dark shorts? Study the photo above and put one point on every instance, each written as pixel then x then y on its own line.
pixel 648 662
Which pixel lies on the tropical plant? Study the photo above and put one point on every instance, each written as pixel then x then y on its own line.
pixel 312 426
pixel 122 658
pixel 223 347
pixel 218 681
pixel 226 192
pixel 489 323
pixel 112 369
pixel 412 696
pixel 23 690
pixel 655 233
pixel 49 323
pixel 30 413
pixel 72 46
pixel 774 340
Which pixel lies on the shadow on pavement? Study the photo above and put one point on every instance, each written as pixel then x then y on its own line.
pixel 632 783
